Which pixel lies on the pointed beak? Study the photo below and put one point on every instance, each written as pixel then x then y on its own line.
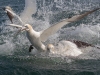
pixel 4 8
pixel 24 29
pixel 20 30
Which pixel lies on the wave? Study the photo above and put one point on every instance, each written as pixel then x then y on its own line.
pixel 41 15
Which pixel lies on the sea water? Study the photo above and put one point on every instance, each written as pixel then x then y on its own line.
pixel 14 56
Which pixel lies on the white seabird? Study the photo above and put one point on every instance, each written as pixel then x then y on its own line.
pixel 64 48
pixel 11 14
pixel 37 38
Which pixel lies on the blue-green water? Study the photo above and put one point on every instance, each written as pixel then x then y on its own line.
pixel 15 58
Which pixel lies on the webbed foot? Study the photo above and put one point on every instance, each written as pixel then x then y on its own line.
pixel 30 48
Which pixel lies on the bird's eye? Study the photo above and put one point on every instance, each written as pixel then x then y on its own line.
pixel 25 25
pixel 48 49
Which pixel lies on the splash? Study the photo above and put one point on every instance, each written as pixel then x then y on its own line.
pixel 84 32
pixel 66 48
pixel 87 33
pixel 7 48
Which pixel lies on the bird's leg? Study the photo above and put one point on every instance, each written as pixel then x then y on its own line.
pixel 30 48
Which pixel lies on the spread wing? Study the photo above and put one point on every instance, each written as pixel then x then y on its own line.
pixel 14 25
pixel 21 28
pixel 29 9
pixel 11 14
pixel 53 29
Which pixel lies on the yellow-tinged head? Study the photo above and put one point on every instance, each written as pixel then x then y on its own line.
pixel 7 7
pixel 50 47
pixel 28 27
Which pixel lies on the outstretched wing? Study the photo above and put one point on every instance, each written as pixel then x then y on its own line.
pixel 29 9
pixel 53 29
pixel 14 25
pixel 21 28
pixel 17 26
pixel 11 14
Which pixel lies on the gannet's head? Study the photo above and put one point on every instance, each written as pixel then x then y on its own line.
pixel 50 47
pixel 7 7
pixel 28 27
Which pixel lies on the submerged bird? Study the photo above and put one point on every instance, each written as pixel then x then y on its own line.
pixel 37 38
pixel 64 48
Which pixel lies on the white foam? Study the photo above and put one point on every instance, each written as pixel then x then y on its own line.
pixel 66 48
pixel 7 48
pixel 83 32
pixel 89 33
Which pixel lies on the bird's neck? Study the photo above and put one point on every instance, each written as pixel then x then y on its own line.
pixel 43 47
pixel 32 31
pixel 34 34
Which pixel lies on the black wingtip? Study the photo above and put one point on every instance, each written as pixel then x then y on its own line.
pixel 96 9
pixel 81 44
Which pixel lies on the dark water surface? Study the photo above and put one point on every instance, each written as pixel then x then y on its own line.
pixel 15 58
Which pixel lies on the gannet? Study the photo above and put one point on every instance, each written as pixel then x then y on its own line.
pixel 37 38
pixel 11 14
pixel 64 48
